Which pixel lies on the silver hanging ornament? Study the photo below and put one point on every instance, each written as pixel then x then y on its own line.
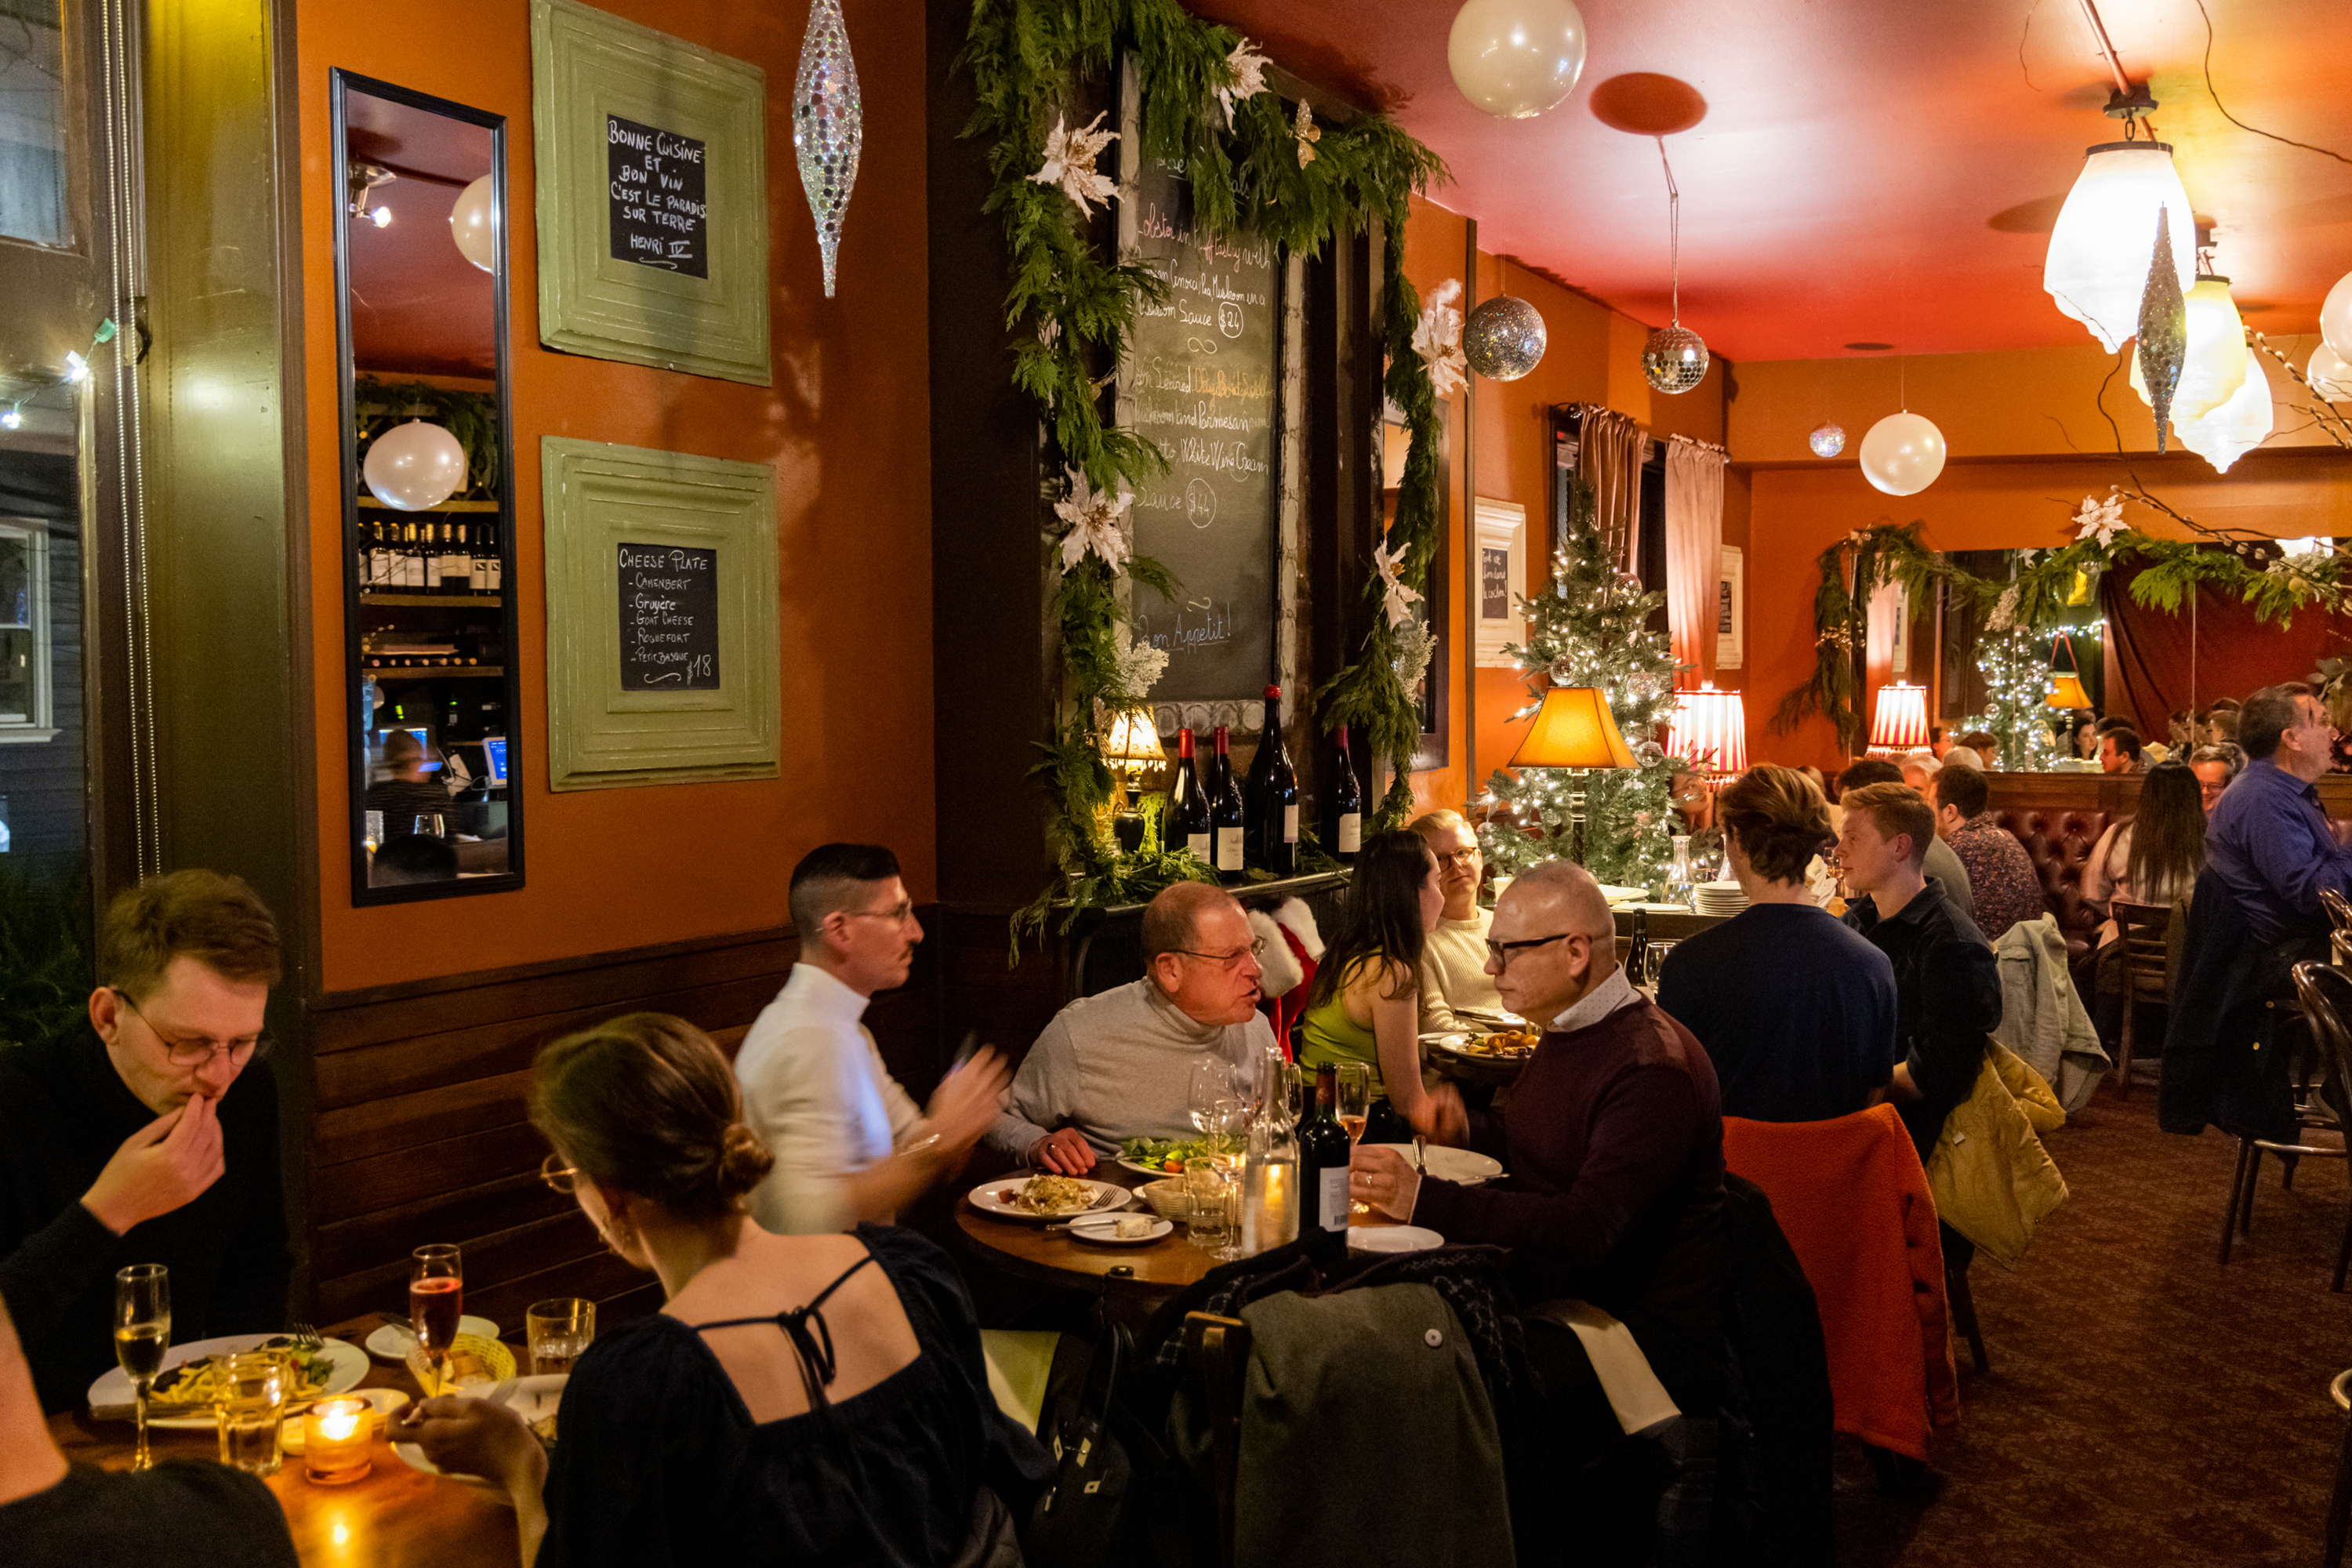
pixel 1827 439
pixel 2163 327
pixel 1674 359
pixel 1503 339
pixel 1562 671
pixel 1649 754
pixel 828 125
pixel 1645 684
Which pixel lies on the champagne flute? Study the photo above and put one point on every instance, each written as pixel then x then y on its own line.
pixel 436 1300
pixel 143 1328
pixel 1353 1083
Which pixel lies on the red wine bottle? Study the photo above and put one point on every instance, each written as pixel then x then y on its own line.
pixel 1186 826
pixel 1271 838
pixel 1323 1149
pixel 1344 818
pixel 1227 818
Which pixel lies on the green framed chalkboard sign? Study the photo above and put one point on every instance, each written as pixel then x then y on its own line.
pixel 653 204
pixel 663 660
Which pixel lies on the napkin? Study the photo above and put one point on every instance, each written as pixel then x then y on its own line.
pixel 1634 1393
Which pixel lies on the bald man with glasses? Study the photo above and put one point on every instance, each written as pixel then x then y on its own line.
pixel 153 1142
pixel 1120 1065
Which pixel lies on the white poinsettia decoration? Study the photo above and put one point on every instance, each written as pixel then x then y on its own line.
pixel 1093 516
pixel 1397 599
pixel 1414 647
pixel 1070 161
pixel 2004 612
pixel 2103 519
pixel 1249 78
pixel 1438 338
pixel 1139 666
pixel 1308 134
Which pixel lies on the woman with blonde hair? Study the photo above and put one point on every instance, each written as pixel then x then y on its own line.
pixel 803 1398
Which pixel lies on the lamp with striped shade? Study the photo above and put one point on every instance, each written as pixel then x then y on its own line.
pixel 1710 727
pixel 1901 719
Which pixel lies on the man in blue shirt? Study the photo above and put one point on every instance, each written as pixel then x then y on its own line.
pixel 2268 841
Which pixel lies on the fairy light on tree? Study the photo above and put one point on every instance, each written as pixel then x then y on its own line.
pixel 1592 628
pixel 2015 664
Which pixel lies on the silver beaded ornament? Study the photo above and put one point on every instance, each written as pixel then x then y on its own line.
pixel 2163 327
pixel 828 125
pixel 1503 339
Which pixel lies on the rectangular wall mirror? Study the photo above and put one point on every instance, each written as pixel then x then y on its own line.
pixel 435 740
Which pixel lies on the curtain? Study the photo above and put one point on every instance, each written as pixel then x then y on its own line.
pixel 1694 554
pixel 2159 661
pixel 1610 451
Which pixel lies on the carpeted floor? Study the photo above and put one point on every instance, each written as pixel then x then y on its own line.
pixel 2147 1407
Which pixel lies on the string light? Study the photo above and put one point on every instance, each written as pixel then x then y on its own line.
pixel 13 419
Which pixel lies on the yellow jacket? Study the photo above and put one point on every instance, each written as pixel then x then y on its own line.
pixel 1992 1179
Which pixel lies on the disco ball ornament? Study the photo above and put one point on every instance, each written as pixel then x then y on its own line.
pixel 1649 754
pixel 1503 339
pixel 1827 439
pixel 1903 454
pixel 1562 672
pixel 1645 684
pixel 1674 360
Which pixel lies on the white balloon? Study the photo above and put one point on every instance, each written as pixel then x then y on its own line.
pixel 2335 316
pixel 1903 454
pixel 2330 374
pixel 473 224
pixel 1515 58
pixel 415 467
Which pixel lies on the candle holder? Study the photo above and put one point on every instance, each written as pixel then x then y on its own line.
pixel 335 1437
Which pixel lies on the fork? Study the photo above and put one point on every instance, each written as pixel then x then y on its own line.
pixel 307 1338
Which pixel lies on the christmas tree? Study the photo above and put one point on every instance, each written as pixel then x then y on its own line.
pixel 1592 628
pixel 2015 663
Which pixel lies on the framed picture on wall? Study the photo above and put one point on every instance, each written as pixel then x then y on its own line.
pixel 653 195
pixel 1502 569
pixel 1731 611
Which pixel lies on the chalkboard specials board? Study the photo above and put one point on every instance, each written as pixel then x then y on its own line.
pixel 1201 383
pixel 660 210
pixel 669 618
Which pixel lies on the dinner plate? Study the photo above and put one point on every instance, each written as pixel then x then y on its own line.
pixel 349 1363
pixel 1391 1238
pixel 1101 1230
pixel 1492 1018
pixel 533 1398
pixel 497 1365
pixel 996 1200
pixel 1466 1166
pixel 393 1342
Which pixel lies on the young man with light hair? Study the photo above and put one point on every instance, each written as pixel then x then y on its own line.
pixel 1454 959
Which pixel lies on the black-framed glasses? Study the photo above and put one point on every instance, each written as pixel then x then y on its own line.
pixel 1256 948
pixel 1498 954
pixel 184 1053
pixel 563 1178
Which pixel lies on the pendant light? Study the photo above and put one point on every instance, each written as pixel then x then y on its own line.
pixel 2097 267
pixel 2215 363
pixel 2238 426
pixel 1674 359
pixel 2329 375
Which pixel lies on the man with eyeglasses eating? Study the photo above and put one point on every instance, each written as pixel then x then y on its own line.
pixel 152 1144
pixel 1120 1065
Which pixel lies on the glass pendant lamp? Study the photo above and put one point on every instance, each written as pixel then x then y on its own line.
pixel 2096 270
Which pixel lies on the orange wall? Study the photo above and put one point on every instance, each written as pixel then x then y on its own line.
pixel 845 426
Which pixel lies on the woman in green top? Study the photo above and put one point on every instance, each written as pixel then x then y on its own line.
pixel 1365 1004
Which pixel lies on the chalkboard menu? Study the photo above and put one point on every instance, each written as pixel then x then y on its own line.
pixel 1201 383
pixel 659 214
pixel 669 618
pixel 1494 582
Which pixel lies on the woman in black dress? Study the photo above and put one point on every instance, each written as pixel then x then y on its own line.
pixel 798 1399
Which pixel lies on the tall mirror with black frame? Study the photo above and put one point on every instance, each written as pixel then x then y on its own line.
pixel 1431 695
pixel 428 506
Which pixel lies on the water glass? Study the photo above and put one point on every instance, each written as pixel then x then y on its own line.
pixel 251 1410
pixel 1216 1198
pixel 560 1331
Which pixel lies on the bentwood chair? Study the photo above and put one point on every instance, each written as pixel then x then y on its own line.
pixel 2325 995
pixel 1218 1350
pixel 2144 933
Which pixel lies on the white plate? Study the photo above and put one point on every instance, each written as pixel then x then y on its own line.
pixel 1102 1230
pixel 1391 1238
pixel 533 1398
pixel 1466 1166
pixel 393 1342
pixel 995 1198
pixel 350 1365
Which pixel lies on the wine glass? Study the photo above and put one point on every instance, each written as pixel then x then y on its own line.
pixel 1213 1102
pixel 436 1300
pixel 1352 1104
pixel 143 1328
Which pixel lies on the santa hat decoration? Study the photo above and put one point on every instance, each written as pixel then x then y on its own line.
pixel 1295 917
pixel 1283 973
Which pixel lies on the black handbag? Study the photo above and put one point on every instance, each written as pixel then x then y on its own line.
pixel 1076 1523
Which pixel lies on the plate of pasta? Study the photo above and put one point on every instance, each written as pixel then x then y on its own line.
pixel 1047 1197
pixel 190 1383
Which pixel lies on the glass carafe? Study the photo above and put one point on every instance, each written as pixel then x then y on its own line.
pixel 1678 872
pixel 1269 1187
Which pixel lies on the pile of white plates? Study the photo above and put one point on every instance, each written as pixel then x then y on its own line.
pixel 1718 898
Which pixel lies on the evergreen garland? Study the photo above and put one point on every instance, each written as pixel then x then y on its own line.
pixel 1071 315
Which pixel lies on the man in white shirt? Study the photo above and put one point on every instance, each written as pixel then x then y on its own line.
pixel 849 1143
pixel 1454 959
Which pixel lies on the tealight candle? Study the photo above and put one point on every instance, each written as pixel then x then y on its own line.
pixel 335 1441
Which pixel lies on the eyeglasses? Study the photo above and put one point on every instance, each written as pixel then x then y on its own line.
pixel 563 1178
pixel 196 1052
pixel 1458 857
pixel 897 914
pixel 1230 959
pixel 1498 954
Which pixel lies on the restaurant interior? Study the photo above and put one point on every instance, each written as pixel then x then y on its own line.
pixel 508 483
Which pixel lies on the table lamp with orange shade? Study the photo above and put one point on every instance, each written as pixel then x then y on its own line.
pixel 1574 730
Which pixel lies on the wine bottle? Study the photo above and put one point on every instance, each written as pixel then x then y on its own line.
pixel 411 560
pixel 1271 838
pixel 1323 1149
pixel 1346 816
pixel 494 569
pixel 1226 817
pixel 378 576
pixel 457 571
pixel 475 577
pixel 1186 825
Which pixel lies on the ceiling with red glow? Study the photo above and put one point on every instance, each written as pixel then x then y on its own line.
pixel 418 306
pixel 1864 171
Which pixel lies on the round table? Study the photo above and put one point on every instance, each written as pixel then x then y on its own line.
pixel 1027 1250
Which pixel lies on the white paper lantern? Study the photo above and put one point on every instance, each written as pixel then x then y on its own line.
pixel 474 224
pixel 1903 454
pixel 2097 267
pixel 2336 317
pixel 2330 374
pixel 415 467
pixel 2215 364
pixel 1515 58
pixel 2238 427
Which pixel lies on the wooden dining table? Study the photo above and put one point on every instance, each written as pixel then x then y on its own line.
pixel 394 1518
